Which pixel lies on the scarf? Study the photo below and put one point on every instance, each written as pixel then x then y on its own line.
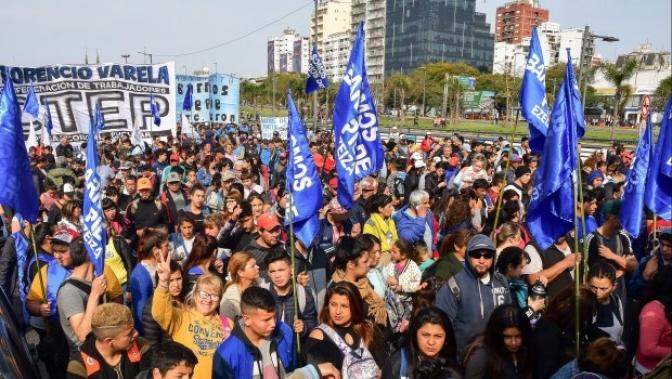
pixel 376 304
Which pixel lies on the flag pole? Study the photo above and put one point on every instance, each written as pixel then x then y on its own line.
pixel 655 231
pixel 583 220
pixel 292 250
pixel 506 171
pixel 47 325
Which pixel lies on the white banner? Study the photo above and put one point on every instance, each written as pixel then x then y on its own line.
pixel 121 90
pixel 273 124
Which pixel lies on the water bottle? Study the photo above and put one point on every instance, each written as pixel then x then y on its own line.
pixel 537 292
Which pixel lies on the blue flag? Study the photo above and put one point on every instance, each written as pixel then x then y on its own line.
pixel 359 152
pixel 31 106
pixel 155 109
pixel 18 190
pixel 551 212
pixel 47 118
pixel 98 119
pixel 659 182
pixel 303 180
pixel 188 97
pixel 317 73
pixel 533 95
pixel 21 249
pixel 632 206
pixel 95 234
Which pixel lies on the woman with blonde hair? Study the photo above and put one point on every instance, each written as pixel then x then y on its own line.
pixel 197 326
pixel 243 271
pixel 508 234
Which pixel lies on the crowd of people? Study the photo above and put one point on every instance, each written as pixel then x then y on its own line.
pixel 431 274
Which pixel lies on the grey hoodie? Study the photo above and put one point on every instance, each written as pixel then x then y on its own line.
pixel 477 300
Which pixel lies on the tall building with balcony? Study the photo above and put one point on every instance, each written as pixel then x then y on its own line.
pixel 333 17
pixel 289 53
pixel 428 31
pixel 511 58
pixel 516 19
pixel 373 14
pixel 336 55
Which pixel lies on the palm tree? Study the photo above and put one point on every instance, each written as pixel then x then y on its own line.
pixel 619 77
pixel 399 82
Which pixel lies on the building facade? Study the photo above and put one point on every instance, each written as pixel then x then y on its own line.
pixel 289 53
pixel 336 55
pixel 429 31
pixel 373 14
pixel 333 17
pixel 512 58
pixel 516 19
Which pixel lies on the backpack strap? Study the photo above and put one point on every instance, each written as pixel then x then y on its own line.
pixel 455 289
pixel 331 333
pixel 226 327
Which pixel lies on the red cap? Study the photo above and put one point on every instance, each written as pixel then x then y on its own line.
pixel 268 221
pixel 333 183
pixel 174 157
pixel 369 184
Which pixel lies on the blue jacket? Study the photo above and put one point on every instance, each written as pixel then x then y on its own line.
pixel 477 301
pixel 413 228
pixel 237 356
pixel 637 284
pixel 141 288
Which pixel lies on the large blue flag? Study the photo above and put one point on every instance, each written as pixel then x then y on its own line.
pixel 95 234
pixel 533 95
pixel 32 106
pixel 659 182
pixel 155 109
pixel 98 119
pixel 303 180
pixel 358 149
pixel 18 189
pixel 317 73
pixel 632 206
pixel 188 97
pixel 21 249
pixel 551 212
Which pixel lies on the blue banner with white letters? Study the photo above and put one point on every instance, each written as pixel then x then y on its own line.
pixel 317 74
pixel 632 207
pixel 303 180
pixel 359 152
pixel 95 232
pixel 658 193
pixel 533 95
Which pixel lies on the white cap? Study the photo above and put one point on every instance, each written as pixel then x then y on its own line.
pixel 419 164
pixel 416 155
pixel 428 133
pixel 394 128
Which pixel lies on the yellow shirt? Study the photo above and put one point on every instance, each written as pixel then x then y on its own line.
pixel 201 334
pixel 385 230
pixel 113 287
pixel 113 259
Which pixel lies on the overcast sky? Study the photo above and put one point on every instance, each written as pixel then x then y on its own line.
pixel 42 32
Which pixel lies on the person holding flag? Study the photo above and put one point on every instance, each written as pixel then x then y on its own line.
pixel 359 152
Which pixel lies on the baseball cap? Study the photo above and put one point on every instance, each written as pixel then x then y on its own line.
pixel 611 207
pixel 268 221
pixel 283 155
pixel 336 209
pixel 480 242
pixel 369 184
pixel 125 165
pixel 516 158
pixel 144 184
pixel 416 155
pixel 394 128
pixel 228 175
pixel 454 161
pixel 68 190
pixel 174 157
pixel 64 236
pixel 333 183
pixel 419 164
pixel 173 177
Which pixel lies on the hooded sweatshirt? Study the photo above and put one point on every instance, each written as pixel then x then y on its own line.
pixel 477 300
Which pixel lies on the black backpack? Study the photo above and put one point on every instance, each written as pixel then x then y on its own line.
pixel 398 187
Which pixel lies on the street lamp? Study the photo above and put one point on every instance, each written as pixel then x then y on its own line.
pixel 126 56
pixel 149 55
pixel 586 36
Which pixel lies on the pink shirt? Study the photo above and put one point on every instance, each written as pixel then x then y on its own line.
pixel 655 335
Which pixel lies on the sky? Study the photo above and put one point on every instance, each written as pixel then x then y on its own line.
pixel 230 35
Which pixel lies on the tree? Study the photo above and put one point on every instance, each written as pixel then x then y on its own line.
pixel 401 83
pixel 663 92
pixel 618 77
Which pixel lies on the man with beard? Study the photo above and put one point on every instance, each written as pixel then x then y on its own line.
pixel 269 240
pixel 145 211
pixel 470 296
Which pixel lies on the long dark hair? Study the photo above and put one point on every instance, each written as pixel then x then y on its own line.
pixel 504 317
pixel 447 357
pixel 362 326
pixel 348 249
pixel 204 249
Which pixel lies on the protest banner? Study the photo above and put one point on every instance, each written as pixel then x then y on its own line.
pixel 269 125
pixel 122 92
pixel 216 98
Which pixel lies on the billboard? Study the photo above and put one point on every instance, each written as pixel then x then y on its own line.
pixel 273 124
pixel 271 57
pixel 216 97
pixel 297 56
pixel 121 90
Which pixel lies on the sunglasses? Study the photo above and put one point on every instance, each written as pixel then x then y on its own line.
pixel 481 254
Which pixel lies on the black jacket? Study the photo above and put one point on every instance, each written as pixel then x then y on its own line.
pixel 151 329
